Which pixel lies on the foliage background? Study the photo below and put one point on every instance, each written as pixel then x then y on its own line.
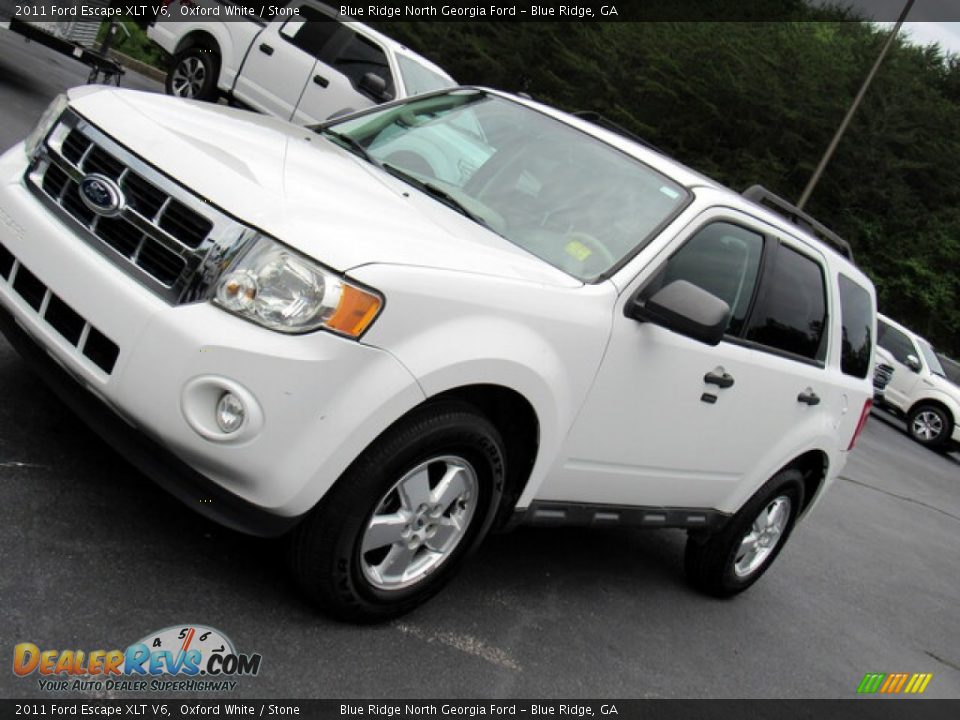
pixel 757 102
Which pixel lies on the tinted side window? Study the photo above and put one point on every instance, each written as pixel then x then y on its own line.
pixel 856 310
pixel 361 56
pixel 791 312
pixel 895 342
pixel 722 259
pixel 311 31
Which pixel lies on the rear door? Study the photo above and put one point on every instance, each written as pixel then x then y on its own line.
pixel 283 59
pixel 337 86
pixel 673 422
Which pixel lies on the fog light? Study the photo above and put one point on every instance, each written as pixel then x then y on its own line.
pixel 230 413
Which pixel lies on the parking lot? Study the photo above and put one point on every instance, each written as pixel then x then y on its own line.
pixel 94 556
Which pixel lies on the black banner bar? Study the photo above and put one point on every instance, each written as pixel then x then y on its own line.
pixel 483 10
pixel 150 709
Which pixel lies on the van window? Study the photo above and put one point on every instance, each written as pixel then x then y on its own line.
pixel 791 311
pixel 361 56
pixel 311 31
pixel 895 342
pixel 856 311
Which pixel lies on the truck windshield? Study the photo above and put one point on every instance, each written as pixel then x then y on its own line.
pixel 931 357
pixel 419 79
pixel 561 194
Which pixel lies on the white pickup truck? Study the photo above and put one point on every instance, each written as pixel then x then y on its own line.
pixel 304 65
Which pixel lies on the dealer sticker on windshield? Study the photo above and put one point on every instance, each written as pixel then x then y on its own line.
pixel 578 250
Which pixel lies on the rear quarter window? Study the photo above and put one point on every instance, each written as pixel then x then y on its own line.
pixel 856 311
pixel 791 311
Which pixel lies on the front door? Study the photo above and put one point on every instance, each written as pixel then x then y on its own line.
pixel 674 422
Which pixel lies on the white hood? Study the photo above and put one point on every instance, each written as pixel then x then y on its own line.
pixel 302 189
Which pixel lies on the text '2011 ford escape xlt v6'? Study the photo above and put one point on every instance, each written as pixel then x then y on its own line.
pixel 389 334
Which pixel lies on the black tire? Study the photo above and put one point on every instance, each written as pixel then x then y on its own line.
pixel 924 419
pixel 325 549
pixel 710 560
pixel 193 74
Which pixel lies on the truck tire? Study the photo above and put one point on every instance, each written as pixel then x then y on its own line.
pixel 930 425
pixel 729 561
pixel 396 526
pixel 193 74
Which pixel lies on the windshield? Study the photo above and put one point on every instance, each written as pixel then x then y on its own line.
pixel 419 79
pixel 559 193
pixel 931 357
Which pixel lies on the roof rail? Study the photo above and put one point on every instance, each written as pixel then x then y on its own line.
pixel 597 119
pixel 761 196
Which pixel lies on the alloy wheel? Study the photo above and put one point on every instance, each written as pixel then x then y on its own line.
pixel 763 537
pixel 419 522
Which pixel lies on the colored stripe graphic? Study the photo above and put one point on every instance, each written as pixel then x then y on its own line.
pixel 894 683
pixel 871 682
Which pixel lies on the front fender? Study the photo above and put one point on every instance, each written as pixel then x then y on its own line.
pixel 451 329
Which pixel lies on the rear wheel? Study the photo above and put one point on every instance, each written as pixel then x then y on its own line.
pixel 730 561
pixel 399 522
pixel 194 74
pixel 930 425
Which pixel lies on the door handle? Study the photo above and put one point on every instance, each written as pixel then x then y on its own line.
pixel 266 49
pixel 320 80
pixel 809 397
pixel 722 381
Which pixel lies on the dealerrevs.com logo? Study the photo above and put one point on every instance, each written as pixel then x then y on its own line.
pixel 179 658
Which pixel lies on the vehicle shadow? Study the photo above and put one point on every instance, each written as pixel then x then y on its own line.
pixel 75 485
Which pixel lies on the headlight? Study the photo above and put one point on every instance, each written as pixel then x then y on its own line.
pixel 47 121
pixel 282 290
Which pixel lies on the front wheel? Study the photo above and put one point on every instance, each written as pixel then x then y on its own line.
pixel 730 561
pixel 929 425
pixel 399 522
pixel 194 74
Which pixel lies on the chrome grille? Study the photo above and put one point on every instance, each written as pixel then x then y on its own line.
pixel 84 338
pixel 164 236
pixel 882 375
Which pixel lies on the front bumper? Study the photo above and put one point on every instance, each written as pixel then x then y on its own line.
pixel 320 399
pixel 152 459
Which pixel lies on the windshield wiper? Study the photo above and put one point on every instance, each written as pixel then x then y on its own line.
pixel 353 144
pixel 436 192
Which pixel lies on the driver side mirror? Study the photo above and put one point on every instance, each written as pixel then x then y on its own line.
pixel 913 362
pixel 375 86
pixel 683 308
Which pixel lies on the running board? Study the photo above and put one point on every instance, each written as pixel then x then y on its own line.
pixel 552 513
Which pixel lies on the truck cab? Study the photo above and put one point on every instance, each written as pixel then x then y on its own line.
pixel 305 63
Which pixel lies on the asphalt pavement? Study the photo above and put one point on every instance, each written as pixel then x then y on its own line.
pixel 94 556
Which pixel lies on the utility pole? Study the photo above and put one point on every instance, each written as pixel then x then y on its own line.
pixel 853 108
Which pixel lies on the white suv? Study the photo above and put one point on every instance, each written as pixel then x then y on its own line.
pixel 918 388
pixel 305 67
pixel 387 335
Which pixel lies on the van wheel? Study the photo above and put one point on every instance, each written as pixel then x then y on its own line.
pixel 193 74
pixel 730 561
pixel 929 425
pixel 397 525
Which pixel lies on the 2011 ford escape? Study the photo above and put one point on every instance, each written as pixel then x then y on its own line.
pixel 389 334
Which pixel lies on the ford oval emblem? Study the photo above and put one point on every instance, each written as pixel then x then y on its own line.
pixel 101 194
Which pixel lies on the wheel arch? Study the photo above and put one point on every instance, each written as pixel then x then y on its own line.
pixel 199 38
pixel 813 466
pixel 951 412
pixel 519 426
